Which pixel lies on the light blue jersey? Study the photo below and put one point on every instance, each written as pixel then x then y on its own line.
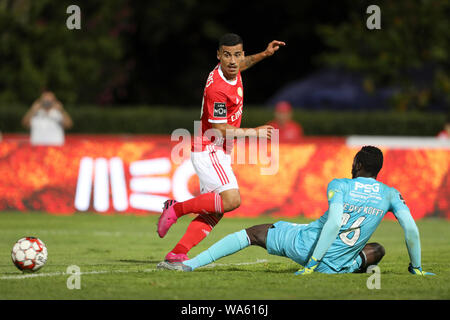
pixel 334 242
pixel 364 201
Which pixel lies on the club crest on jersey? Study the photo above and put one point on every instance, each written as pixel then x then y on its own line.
pixel 239 92
pixel 330 194
pixel 220 110
pixel 401 198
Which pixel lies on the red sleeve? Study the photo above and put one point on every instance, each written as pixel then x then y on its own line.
pixel 215 104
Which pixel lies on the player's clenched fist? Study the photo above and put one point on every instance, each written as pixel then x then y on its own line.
pixel 265 131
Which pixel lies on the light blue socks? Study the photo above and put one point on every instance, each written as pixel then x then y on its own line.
pixel 230 244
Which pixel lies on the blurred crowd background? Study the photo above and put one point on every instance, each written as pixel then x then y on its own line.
pixel 141 66
pixel 137 69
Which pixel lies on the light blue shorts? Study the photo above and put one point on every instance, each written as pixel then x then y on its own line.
pixel 293 241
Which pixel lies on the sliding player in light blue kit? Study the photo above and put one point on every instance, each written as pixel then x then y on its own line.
pixel 337 241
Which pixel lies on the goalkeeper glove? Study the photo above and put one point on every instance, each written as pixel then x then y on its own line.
pixel 418 271
pixel 309 268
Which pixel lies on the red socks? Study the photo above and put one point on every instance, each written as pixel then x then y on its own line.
pixel 205 205
pixel 197 230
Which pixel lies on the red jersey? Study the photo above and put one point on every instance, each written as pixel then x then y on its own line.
pixel 222 103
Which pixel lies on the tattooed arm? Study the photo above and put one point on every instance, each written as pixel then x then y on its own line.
pixel 255 58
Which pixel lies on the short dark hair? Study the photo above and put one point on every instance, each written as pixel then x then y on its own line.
pixel 230 39
pixel 371 158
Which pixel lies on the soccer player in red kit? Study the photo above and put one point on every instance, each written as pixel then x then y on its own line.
pixel 221 115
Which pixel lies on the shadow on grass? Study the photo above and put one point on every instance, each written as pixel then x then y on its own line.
pixel 247 269
pixel 278 270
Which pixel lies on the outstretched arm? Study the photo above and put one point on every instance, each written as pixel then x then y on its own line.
pixel 215 103
pixel 330 229
pixel 329 233
pixel 251 60
pixel 226 129
pixel 412 237
pixel 412 240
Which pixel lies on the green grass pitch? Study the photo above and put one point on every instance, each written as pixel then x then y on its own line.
pixel 118 254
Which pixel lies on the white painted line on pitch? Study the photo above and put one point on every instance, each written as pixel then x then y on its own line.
pixel 49 274
pixel 33 275
pixel 55 274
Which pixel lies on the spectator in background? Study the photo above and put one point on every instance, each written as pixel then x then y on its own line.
pixel 289 130
pixel 445 133
pixel 47 120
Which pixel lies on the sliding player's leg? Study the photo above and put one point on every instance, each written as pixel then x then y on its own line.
pixel 228 245
pixel 257 235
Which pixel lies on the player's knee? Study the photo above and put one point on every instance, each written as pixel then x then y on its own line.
pixel 236 202
pixel 372 253
pixel 231 202
pixel 378 251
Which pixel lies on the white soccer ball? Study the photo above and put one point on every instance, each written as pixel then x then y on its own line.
pixel 29 254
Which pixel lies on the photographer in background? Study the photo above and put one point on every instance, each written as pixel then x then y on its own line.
pixel 47 120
